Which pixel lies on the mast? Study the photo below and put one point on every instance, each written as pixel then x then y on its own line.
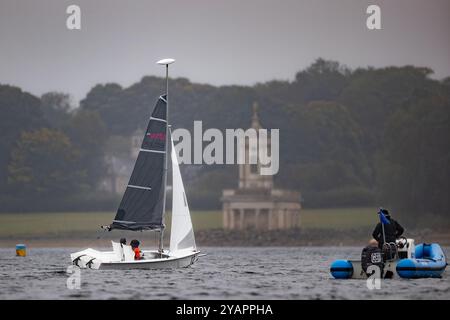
pixel 165 62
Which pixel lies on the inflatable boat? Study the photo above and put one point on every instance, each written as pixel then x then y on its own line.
pixel 429 262
pixel 401 259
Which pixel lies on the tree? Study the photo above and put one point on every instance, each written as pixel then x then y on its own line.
pixel 56 107
pixel 19 111
pixel 414 163
pixel 322 152
pixel 323 80
pixel 44 163
pixel 88 135
pixel 373 95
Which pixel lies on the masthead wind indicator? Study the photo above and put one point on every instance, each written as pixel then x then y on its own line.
pixel 166 61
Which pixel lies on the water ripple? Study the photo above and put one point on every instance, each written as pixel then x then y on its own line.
pixel 226 273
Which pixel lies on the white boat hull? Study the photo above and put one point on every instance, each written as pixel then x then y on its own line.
pixel 164 263
pixel 108 260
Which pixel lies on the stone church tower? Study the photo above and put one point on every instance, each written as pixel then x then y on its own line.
pixel 249 177
pixel 256 204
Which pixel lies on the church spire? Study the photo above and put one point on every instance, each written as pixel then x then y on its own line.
pixel 255 118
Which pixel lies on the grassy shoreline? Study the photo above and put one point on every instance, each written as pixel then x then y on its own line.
pixel 58 223
pixel 340 226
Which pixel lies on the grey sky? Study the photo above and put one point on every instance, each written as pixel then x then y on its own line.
pixel 214 41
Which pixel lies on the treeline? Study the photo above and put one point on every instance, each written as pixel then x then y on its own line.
pixel 347 137
pixel 51 156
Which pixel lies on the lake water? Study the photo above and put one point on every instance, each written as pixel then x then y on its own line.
pixel 225 273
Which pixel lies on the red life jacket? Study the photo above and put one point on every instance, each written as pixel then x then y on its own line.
pixel 137 253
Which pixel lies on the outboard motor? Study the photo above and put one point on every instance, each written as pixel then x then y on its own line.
pixel 405 248
pixel 389 251
pixel 372 255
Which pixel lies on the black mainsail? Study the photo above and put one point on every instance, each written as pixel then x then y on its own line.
pixel 142 205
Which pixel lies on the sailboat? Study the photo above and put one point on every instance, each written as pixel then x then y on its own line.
pixel 144 203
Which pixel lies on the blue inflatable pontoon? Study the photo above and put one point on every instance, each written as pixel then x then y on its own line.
pixel 429 262
pixel 341 269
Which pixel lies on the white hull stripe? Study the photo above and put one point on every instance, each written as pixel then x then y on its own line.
pixel 138 187
pixel 161 97
pixel 158 119
pixel 149 150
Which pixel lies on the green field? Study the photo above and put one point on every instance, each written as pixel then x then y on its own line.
pixel 54 224
pixel 339 218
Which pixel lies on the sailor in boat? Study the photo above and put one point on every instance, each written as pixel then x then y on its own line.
pixel 392 230
pixel 137 252
pixel 371 255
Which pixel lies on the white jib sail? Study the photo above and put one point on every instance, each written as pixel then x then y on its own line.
pixel 181 233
